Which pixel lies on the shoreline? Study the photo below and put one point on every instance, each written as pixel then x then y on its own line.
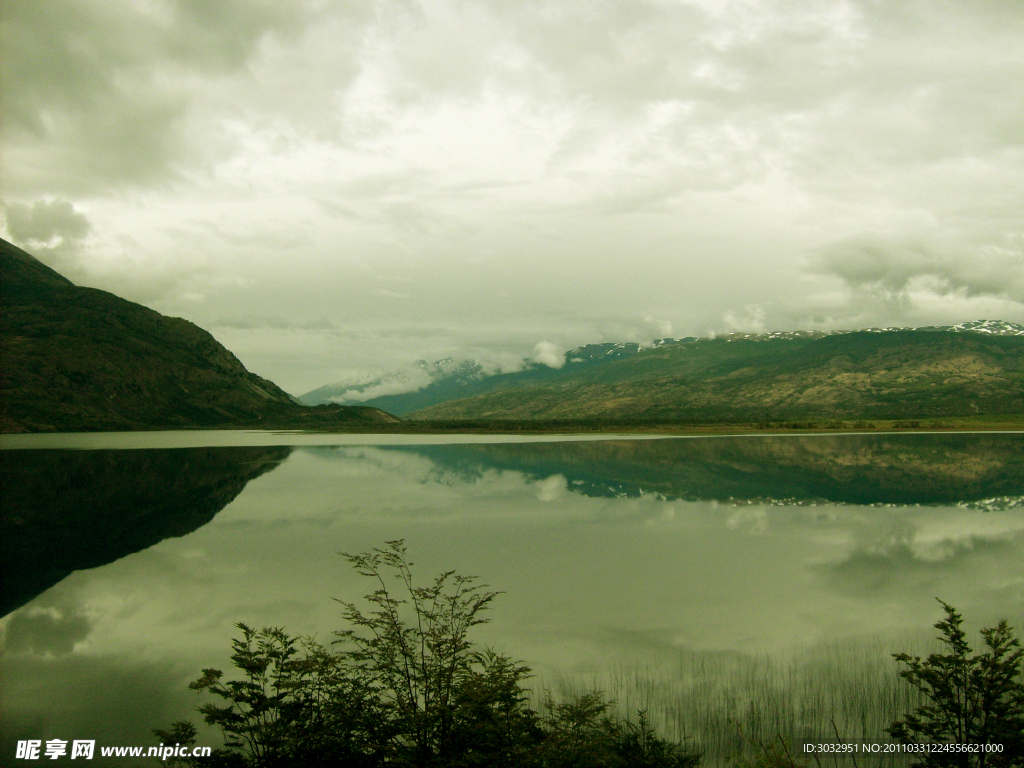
pixel 447 432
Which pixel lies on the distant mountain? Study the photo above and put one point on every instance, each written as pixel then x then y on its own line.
pixel 442 382
pixel 403 391
pixel 995 327
pixel 79 359
pixel 973 368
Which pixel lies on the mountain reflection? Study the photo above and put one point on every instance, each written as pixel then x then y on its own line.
pixel 67 510
pixel 983 470
pixel 62 511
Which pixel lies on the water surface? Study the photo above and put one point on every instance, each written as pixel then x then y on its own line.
pixel 128 559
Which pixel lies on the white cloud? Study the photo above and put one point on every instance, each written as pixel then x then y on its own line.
pixel 751 320
pixel 548 354
pixel 894 265
pixel 52 230
pixel 437 178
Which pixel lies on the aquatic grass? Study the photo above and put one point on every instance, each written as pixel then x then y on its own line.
pixel 727 706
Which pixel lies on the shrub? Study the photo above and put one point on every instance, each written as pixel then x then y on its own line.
pixel 407 688
pixel 972 699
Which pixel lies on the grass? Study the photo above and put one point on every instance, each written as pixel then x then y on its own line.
pixel 728 706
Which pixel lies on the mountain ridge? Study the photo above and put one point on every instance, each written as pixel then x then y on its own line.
pixel 447 380
pixel 881 374
pixel 81 359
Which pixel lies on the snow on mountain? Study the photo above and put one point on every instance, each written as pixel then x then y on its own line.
pixel 450 377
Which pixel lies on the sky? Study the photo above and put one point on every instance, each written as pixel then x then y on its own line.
pixel 337 188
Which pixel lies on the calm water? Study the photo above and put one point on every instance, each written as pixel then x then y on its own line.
pixel 664 570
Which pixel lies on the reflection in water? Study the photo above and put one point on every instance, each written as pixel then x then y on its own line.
pixel 724 554
pixel 986 469
pixel 63 511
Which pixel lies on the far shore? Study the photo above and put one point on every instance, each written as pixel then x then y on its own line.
pixel 1000 423
pixel 1011 423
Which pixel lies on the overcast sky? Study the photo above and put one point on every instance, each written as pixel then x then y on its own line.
pixel 335 188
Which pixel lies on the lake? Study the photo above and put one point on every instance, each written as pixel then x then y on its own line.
pixel 759 579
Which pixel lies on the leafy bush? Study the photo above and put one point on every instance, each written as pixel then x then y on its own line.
pixel 972 699
pixel 407 688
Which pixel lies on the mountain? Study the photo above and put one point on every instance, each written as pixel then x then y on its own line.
pixel 974 368
pixel 442 382
pixel 81 359
pixel 429 384
pixel 403 391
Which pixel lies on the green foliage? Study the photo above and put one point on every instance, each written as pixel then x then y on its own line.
pixel 580 733
pixel 424 672
pixel 295 704
pixel 183 733
pixel 972 698
pixel 407 688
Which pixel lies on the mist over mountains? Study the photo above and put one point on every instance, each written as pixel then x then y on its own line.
pixel 444 381
pixel 427 384
pixel 76 358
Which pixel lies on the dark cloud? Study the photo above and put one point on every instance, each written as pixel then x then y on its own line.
pixel 892 264
pixel 52 230
pixel 45 221
pixel 46 631
pixel 109 698
pixel 95 94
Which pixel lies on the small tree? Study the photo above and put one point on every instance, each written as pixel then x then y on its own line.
pixel 408 688
pixel 295 704
pixel 414 654
pixel 972 699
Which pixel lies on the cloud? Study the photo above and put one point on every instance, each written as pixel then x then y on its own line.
pixel 550 488
pixel 97 96
pixel 891 568
pixel 46 222
pixel 503 172
pixel 52 230
pixel 661 325
pixel 751 320
pixel 411 379
pixel 893 265
pixel 46 630
pixel 548 354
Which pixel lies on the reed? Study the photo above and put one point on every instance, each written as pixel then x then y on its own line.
pixel 727 706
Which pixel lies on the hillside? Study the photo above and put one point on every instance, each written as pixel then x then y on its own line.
pixel 885 374
pixel 81 359
pixel 428 384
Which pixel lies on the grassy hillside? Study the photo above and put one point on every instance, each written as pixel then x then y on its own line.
pixel 75 359
pixel 883 375
pixel 450 380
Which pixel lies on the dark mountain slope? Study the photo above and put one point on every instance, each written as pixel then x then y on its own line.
pixel 75 358
pixel 865 374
